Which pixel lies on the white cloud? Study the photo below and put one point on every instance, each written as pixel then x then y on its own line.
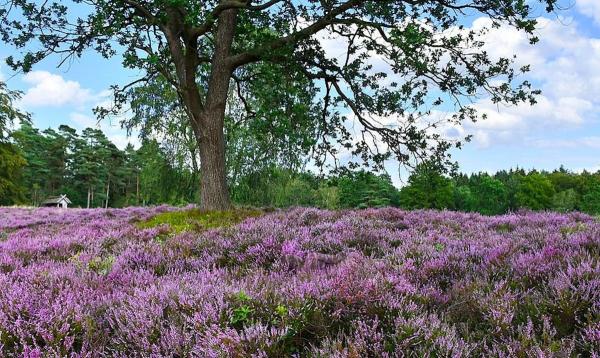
pixel 591 142
pixel 593 169
pixel 121 140
pixel 565 65
pixel 54 91
pixel 84 121
pixel 589 8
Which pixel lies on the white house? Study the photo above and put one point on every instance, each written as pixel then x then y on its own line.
pixel 57 201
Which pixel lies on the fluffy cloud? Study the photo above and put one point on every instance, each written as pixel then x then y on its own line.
pixel 121 140
pixel 565 65
pixel 53 90
pixel 84 121
pixel 591 142
pixel 589 8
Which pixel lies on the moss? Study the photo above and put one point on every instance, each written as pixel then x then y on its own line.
pixel 369 246
pixel 199 220
pixel 3 235
pixel 573 229
pixel 309 324
pixel 504 228
pixel 8 342
pixel 100 265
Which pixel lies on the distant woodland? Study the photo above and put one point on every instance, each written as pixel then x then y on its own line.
pixel 93 172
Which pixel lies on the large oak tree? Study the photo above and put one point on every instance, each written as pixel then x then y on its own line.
pixel 210 50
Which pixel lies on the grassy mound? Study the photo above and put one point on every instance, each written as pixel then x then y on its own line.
pixel 199 220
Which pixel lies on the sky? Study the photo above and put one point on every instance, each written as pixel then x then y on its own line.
pixel 562 129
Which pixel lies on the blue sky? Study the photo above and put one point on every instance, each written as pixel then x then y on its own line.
pixel 564 128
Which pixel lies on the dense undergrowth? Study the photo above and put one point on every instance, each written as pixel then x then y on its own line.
pixel 304 282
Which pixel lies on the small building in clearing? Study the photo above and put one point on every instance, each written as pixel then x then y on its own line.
pixel 57 201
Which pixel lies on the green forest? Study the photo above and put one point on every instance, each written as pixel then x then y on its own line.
pixel 93 172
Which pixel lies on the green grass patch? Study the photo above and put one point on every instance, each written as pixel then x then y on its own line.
pixel 504 228
pixel 573 229
pixel 199 220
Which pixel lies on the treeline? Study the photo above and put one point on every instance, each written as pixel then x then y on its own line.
pixel 504 191
pixel 428 188
pixel 93 172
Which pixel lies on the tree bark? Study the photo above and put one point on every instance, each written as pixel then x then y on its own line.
pixel 107 194
pixel 209 123
pixel 214 194
pixel 206 117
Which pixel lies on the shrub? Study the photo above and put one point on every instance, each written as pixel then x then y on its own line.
pixel 302 282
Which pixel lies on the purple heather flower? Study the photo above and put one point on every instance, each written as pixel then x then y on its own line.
pixel 302 282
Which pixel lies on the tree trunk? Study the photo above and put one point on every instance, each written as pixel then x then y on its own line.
pixel 137 189
pixel 107 193
pixel 214 194
pixel 88 197
pixel 206 118
pixel 208 122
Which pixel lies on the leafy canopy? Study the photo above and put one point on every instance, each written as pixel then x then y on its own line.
pixel 11 160
pixel 277 51
pixel 8 112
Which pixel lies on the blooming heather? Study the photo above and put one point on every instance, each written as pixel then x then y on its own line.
pixel 303 282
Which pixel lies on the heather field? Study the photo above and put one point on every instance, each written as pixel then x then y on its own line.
pixel 303 282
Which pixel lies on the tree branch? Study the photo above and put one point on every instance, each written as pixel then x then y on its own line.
pixel 256 54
